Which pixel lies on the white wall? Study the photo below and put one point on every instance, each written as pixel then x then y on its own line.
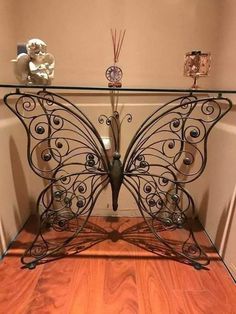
pixel 158 34
pixel 215 191
pixel 7 38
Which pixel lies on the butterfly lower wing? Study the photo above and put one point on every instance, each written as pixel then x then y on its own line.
pixel 166 210
pixel 65 150
pixel 167 152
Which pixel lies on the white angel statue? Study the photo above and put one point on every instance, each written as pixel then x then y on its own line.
pixel 36 66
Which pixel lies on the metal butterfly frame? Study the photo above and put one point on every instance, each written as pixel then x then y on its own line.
pixel 168 151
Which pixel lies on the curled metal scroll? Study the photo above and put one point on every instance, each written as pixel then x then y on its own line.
pixel 168 151
pixel 114 123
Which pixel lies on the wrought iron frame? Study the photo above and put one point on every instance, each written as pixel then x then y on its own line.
pixel 168 151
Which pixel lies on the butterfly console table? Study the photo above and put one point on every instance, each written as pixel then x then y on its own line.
pixel 168 151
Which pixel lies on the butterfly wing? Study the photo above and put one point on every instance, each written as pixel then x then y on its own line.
pixel 64 149
pixel 168 151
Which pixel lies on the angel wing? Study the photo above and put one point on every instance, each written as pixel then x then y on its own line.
pixel 168 151
pixel 64 149
pixel 21 67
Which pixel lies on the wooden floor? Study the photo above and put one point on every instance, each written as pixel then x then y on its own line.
pixel 114 277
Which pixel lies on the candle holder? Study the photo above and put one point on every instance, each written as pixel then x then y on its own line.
pixel 196 64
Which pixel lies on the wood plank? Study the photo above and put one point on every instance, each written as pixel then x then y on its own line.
pixel 114 277
pixel 17 285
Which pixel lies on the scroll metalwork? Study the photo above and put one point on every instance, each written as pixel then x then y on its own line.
pixel 168 151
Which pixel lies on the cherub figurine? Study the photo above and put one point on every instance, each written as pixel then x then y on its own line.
pixel 36 66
